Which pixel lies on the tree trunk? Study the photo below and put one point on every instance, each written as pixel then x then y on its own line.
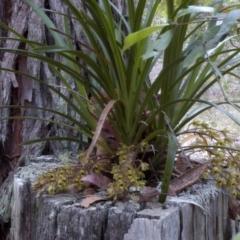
pixel 20 90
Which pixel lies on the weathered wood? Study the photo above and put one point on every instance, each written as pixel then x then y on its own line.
pixel 155 223
pixel 119 218
pixel 62 217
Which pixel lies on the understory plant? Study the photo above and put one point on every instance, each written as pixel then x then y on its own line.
pixel 133 123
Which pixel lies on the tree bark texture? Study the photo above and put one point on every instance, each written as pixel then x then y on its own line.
pixel 20 90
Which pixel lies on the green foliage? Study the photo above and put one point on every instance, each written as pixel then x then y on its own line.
pixel 125 110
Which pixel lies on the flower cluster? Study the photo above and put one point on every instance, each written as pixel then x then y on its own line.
pixel 224 164
pixel 129 172
pixel 59 179
pixel 124 166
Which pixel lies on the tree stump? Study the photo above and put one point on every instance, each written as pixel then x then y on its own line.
pixel 52 217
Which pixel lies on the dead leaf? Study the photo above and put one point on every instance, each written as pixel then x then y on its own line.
pixel 90 200
pixel 97 179
pixel 72 188
pixel 99 127
pixel 234 209
pixel 104 162
pixel 171 191
pixel 110 139
pixel 88 191
pixel 149 194
pixel 203 139
pixel 181 165
pixel 106 127
pixel 188 178
pixel 186 140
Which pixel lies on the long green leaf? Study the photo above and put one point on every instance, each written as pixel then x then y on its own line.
pixel 135 37
pixel 172 150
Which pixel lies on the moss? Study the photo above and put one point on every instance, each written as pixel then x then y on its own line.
pixel 6 204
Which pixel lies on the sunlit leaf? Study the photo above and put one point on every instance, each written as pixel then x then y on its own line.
pixel 195 9
pixel 158 45
pixel 135 37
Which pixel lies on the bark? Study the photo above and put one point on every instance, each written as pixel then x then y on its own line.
pixel 20 90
